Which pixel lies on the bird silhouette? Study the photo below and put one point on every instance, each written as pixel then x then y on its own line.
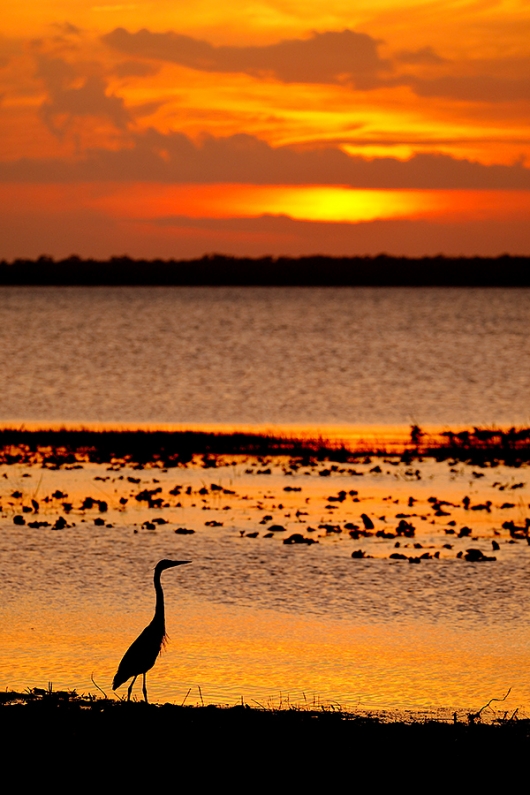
pixel 142 653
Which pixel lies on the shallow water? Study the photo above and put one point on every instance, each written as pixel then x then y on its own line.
pixel 252 617
pixel 259 619
pixel 316 356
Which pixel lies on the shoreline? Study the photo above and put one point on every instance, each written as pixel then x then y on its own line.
pixel 215 739
pixel 491 713
pixel 221 270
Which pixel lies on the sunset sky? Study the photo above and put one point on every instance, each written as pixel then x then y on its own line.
pixel 264 127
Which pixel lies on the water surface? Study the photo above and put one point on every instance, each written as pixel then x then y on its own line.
pixel 255 617
pixel 265 355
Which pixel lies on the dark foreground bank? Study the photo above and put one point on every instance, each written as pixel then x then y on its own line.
pixel 63 742
pixel 227 743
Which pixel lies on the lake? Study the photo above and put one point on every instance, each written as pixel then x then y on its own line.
pixel 313 356
pixel 253 618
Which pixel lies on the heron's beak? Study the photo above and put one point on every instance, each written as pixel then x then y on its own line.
pixel 179 562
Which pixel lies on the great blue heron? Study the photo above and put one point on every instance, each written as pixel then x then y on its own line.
pixel 142 653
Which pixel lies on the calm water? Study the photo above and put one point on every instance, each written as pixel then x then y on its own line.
pixel 265 355
pixel 253 617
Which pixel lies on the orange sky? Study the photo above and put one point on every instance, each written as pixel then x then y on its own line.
pixel 264 128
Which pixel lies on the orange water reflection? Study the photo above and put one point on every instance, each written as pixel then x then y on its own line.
pixel 254 618
pixel 221 655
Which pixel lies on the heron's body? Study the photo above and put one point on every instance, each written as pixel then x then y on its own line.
pixel 142 653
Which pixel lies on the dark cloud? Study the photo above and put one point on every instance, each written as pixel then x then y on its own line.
pixel 134 69
pixel 56 73
pixel 323 58
pixel 332 57
pixel 473 88
pixel 9 48
pixel 145 109
pixel 425 56
pixel 71 96
pixel 174 158
pixel 89 99
pixel 67 28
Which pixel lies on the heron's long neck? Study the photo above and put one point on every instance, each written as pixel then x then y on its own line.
pixel 159 608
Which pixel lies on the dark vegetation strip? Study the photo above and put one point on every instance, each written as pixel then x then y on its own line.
pixel 65 723
pixel 218 269
pixel 140 748
pixel 174 448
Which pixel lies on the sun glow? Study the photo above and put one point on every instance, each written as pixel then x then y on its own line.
pixel 269 109
pixel 330 204
pixel 335 204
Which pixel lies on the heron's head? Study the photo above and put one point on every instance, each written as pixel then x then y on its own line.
pixel 162 565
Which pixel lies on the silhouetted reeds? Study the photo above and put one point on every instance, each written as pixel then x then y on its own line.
pixel 82 727
pixel 141 447
pixel 60 447
pixel 479 445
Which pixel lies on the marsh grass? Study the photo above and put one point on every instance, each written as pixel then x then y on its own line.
pixel 39 700
pixel 55 448
pixel 66 737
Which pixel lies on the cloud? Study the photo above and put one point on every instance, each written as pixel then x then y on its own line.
pixel 334 57
pixel 10 48
pixel 327 57
pixel 134 69
pixel 424 56
pixel 71 96
pixel 67 28
pixel 174 158
pixel 473 88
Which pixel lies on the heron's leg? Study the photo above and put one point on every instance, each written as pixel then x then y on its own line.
pixel 129 691
pixel 145 691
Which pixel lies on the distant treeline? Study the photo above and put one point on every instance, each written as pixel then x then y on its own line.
pixel 218 270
